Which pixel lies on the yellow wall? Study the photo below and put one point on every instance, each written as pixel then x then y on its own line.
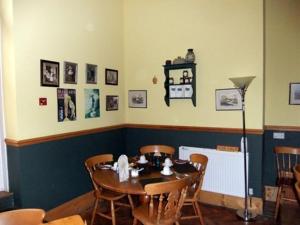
pixel 282 61
pixel 78 31
pixel 135 37
pixel 227 38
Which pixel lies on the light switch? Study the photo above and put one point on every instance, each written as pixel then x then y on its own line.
pixel 278 135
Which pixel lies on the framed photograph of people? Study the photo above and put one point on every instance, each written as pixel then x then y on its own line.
pixel 111 77
pixel 137 99
pixel 70 73
pixel 91 74
pixel 112 102
pixel 228 99
pixel 294 98
pixel 49 73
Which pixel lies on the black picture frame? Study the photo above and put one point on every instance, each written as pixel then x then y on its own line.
pixel 294 94
pixel 49 73
pixel 91 73
pixel 112 102
pixel 137 98
pixel 111 77
pixel 70 72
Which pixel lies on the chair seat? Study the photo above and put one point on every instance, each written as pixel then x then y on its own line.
pixel 141 213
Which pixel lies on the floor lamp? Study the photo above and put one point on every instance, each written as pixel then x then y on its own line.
pixel 242 83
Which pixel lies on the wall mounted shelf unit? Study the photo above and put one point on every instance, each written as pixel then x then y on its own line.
pixel 185 90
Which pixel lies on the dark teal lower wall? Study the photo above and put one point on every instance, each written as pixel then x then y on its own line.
pixel 269 170
pixel 135 138
pixel 49 174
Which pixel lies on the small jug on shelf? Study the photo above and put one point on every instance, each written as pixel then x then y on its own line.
pixel 190 56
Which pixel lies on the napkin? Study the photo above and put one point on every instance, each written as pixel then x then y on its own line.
pixel 123 168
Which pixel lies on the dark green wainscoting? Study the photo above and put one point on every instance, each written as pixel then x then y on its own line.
pixel 48 174
pixel 136 137
pixel 292 138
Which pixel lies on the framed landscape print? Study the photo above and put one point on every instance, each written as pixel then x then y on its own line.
pixel 111 77
pixel 112 102
pixel 228 99
pixel 70 73
pixel 91 74
pixel 137 98
pixel 49 73
pixel 294 98
pixel 92 103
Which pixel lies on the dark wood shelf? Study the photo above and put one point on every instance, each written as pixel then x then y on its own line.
pixel 170 67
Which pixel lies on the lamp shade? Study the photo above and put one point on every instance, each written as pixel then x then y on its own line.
pixel 242 82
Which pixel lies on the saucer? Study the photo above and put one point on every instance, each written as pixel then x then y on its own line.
pixel 144 162
pixel 166 174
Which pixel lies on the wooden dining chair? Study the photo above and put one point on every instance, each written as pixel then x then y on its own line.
pixel 70 220
pixel 286 159
pixel 193 194
pixel 165 150
pixel 297 186
pixel 100 193
pixel 297 172
pixel 22 217
pixel 166 200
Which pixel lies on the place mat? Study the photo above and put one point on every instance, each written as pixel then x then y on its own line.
pixel 184 168
pixel 151 181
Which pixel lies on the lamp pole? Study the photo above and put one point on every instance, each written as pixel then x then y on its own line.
pixel 242 84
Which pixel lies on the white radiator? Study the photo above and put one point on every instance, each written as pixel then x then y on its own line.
pixel 224 171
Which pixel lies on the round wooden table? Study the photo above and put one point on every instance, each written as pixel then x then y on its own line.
pixel 109 179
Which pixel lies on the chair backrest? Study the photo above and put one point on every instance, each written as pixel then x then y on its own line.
pixel 200 162
pixel 22 217
pixel 70 220
pixel 297 186
pixel 286 159
pixel 94 161
pixel 171 198
pixel 297 172
pixel 163 149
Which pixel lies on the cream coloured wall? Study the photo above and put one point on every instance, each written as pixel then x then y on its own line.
pixel 71 30
pixel 227 38
pixel 282 61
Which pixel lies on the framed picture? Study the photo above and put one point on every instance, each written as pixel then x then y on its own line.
pixel 294 98
pixel 111 77
pixel 70 72
pixel 112 102
pixel 137 98
pixel 49 73
pixel 66 104
pixel 228 99
pixel 92 103
pixel 91 74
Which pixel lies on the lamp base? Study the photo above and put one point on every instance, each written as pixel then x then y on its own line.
pixel 246 215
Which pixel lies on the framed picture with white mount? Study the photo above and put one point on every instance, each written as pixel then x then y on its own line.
pixel 228 99
pixel 294 96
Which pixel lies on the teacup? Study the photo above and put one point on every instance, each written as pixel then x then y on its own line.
pixel 115 166
pixel 134 173
pixel 142 159
pixel 167 170
pixel 168 162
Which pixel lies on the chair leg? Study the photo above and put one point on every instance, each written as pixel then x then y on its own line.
pixel 199 213
pixel 135 221
pixel 94 210
pixel 112 211
pixel 278 198
pixel 130 202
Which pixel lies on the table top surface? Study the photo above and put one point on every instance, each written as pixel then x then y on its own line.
pixel 109 179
